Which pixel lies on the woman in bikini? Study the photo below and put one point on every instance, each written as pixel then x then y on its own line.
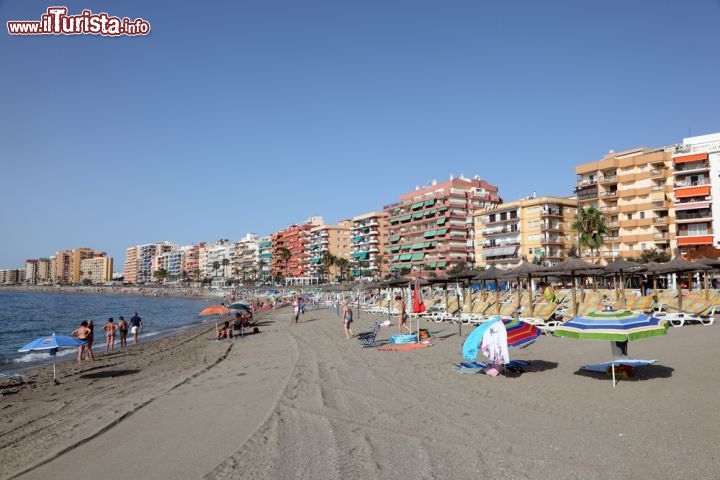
pixel 123 329
pixel 110 329
pixel 82 333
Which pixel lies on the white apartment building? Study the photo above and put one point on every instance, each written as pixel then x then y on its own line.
pixel 696 166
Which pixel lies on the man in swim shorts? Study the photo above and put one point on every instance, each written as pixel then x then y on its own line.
pixel 136 327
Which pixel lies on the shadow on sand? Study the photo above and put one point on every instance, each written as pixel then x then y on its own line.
pixel 110 373
pixel 539 365
pixel 646 372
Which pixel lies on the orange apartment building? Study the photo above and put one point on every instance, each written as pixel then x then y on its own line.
pixel 368 244
pixel 634 190
pixel 296 239
pixel 431 228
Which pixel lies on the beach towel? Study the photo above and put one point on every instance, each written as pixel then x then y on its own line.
pixel 472 342
pixel 494 343
pixel 602 367
pixel 407 346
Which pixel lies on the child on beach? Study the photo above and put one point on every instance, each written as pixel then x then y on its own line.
pixel 110 329
pixel 402 314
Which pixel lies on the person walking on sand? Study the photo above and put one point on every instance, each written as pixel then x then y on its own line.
pixel 296 308
pixel 347 320
pixel 110 329
pixel 402 314
pixel 82 333
pixel 123 329
pixel 136 326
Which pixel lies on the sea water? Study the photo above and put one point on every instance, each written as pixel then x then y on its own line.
pixel 25 316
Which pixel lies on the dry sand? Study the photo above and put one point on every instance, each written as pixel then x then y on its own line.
pixel 300 401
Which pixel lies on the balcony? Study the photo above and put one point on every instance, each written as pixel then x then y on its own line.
pixel 613 224
pixel 692 167
pixel 610 194
pixel 660 205
pixel 551 213
pixel 608 179
pixel 502 231
pixel 661 237
pixel 586 182
pixel 609 209
pixel 660 221
pixel 692 184
pixel 658 173
pixel 584 197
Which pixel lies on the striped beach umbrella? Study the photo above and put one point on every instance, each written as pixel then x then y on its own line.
pixel 613 325
pixel 520 333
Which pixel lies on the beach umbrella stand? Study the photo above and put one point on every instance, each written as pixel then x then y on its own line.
pixel 52 344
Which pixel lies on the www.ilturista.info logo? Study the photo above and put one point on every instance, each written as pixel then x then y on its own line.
pixel 56 21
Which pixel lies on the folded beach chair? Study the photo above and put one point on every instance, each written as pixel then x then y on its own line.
pixel 367 339
pixel 508 309
pixel 643 304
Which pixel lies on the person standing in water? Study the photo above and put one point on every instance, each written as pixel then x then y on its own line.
pixel 123 329
pixel 89 341
pixel 347 320
pixel 82 333
pixel 136 326
pixel 109 329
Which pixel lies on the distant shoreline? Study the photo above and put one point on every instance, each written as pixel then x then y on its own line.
pixel 193 293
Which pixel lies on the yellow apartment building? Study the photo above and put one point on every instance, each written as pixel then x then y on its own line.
pixel 536 228
pixel 634 191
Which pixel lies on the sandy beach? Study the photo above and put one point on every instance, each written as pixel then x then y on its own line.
pixel 301 401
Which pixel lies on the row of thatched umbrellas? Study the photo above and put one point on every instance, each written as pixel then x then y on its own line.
pixel 572 268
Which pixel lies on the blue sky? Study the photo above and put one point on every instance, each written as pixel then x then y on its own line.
pixel 254 114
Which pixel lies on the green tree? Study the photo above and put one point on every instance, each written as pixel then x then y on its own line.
pixel 590 225
pixel 343 265
pixel 215 267
pixel 160 274
pixel 457 268
pixel 284 254
pixel 327 261
pixel 184 276
pixel 225 262
pixel 261 269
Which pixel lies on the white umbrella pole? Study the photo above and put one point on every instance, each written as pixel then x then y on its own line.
pixel 54 373
pixel 613 372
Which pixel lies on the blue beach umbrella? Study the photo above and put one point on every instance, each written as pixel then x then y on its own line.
pixel 240 306
pixel 51 344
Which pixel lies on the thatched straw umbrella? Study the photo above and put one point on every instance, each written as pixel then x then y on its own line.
pixel 571 267
pixel 619 267
pixel 522 271
pixel 680 265
pixel 713 263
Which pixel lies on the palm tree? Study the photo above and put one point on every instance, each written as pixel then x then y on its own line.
pixel 590 225
pixel 343 265
pixel 261 268
pixel 380 260
pixel 184 275
pixel 327 261
pixel 225 263
pixel 284 254
pixel 161 274
pixel 215 267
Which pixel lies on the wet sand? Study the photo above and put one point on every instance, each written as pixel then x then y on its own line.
pixel 300 401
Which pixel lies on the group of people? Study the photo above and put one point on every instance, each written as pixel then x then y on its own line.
pixel 347 316
pixel 242 322
pixel 86 332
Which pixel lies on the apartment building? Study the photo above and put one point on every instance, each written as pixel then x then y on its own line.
pixel 98 269
pixel 431 228
pixel 171 262
pixel 140 263
pixel 245 262
pixel 191 261
pixel 44 271
pixel 12 276
pixel 697 192
pixel 264 257
pixel 296 239
pixel 368 244
pixel 634 191
pixel 67 265
pixel 219 258
pixel 332 239
pixel 536 228
pixel 131 263
pixel 31 272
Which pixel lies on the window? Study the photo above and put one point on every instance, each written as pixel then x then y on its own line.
pixel 642 215
pixel 697 229
pixel 629 216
